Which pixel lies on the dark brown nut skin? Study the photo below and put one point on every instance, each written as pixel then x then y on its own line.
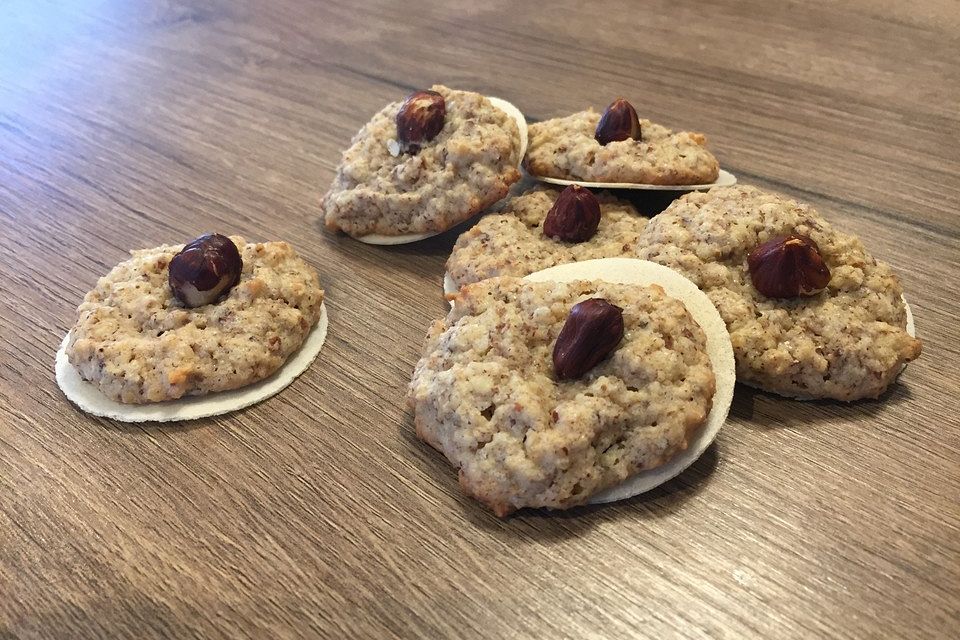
pixel 574 217
pixel 592 331
pixel 618 122
pixel 420 119
pixel 788 267
pixel 204 270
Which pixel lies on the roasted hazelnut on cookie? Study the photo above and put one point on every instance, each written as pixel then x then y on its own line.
pixel 207 268
pixel 574 217
pixel 787 267
pixel 592 331
pixel 618 122
pixel 420 119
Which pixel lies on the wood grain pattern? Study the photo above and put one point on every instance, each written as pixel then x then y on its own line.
pixel 317 512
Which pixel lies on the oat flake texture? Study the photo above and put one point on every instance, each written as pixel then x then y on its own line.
pixel 512 242
pixel 89 399
pixel 484 393
pixel 848 342
pixel 566 148
pixel 137 344
pixel 469 166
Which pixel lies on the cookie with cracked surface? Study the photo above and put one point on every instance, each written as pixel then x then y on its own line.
pixel 512 243
pixel 566 148
pixel 847 342
pixel 485 393
pixel 138 344
pixel 382 189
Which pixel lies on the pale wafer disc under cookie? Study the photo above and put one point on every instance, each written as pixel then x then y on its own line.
pixel 724 179
pixel 449 288
pixel 89 399
pixel 911 328
pixel 719 350
pixel 407 238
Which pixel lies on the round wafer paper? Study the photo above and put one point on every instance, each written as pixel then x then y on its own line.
pixel 724 179
pixel 719 350
pixel 88 397
pixel 449 288
pixel 911 327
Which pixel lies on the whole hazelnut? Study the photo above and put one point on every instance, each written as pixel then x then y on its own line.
pixel 420 119
pixel 205 269
pixel 618 122
pixel 592 331
pixel 574 217
pixel 787 267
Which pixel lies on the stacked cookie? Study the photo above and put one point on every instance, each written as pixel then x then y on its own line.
pixel 547 394
pixel 424 165
pixel 805 311
pixel 436 159
pixel 618 147
pixel 540 229
pixel 551 395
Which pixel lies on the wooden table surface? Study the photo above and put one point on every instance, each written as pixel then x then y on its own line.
pixel 131 124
